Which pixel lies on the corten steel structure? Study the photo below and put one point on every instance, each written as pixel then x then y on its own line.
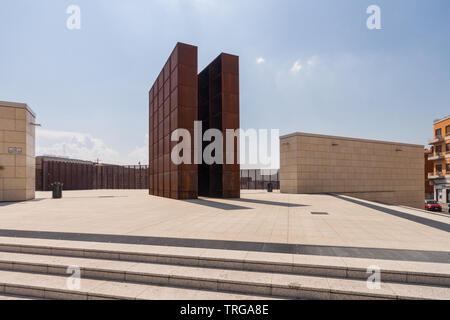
pixel 219 109
pixel 173 105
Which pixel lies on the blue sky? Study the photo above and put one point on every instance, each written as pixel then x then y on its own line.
pixel 89 87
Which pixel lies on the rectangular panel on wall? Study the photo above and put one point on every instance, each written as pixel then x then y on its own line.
pixel 173 105
pixel 219 109
pixel 203 116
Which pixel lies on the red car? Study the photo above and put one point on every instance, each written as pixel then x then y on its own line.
pixel 432 205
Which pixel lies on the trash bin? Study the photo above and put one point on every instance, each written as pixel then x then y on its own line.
pixel 269 187
pixel 57 190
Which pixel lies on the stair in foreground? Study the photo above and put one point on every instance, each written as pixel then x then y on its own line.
pixel 341 267
pixel 45 276
pixel 14 297
pixel 46 286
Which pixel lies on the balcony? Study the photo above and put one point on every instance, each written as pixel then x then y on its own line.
pixel 435 175
pixel 436 140
pixel 439 139
pixel 438 175
pixel 438 156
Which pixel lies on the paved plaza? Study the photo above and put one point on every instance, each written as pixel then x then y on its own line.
pixel 259 217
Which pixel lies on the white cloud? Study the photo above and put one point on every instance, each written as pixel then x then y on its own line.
pixel 313 60
pixel 86 147
pixel 139 154
pixel 296 67
pixel 260 60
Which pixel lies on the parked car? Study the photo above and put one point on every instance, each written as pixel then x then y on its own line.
pixel 432 205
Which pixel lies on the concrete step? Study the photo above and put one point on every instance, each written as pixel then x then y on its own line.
pixel 349 268
pixel 13 297
pixel 45 286
pixel 215 279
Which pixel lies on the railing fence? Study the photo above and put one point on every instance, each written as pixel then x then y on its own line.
pixel 79 176
pixel 258 179
pixel 88 176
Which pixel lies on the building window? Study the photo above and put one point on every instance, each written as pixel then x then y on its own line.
pixel 438 149
pixel 447 169
pixel 447 130
pixel 447 147
pixel 438 133
pixel 439 168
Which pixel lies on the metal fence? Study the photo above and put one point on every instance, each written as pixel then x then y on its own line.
pixel 88 176
pixel 79 176
pixel 258 179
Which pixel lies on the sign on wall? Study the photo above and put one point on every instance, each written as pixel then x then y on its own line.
pixel 14 150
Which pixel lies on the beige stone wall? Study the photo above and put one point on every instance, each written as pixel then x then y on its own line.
pixel 367 169
pixel 17 170
pixel 288 165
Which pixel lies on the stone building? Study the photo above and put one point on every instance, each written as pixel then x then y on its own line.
pixel 17 149
pixel 374 170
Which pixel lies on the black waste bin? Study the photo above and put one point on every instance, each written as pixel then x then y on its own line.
pixel 57 190
pixel 269 187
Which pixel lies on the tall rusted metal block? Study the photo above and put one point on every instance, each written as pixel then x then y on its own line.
pixel 219 109
pixel 173 105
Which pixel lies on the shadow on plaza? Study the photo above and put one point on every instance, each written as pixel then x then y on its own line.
pixel 94 197
pixel 425 221
pixel 270 203
pixel 228 206
pixel 216 204
pixel 4 204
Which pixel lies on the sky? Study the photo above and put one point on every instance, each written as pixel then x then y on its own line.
pixel 305 65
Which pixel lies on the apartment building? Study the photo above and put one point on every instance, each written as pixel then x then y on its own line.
pixel 440 176
pixel 429 167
